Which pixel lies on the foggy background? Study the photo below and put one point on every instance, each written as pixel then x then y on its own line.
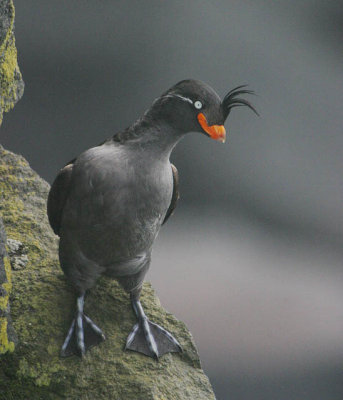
pixel 252 258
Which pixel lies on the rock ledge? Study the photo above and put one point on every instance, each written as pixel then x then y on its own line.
pixel 42 304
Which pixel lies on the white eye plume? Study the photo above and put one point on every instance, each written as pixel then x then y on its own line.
pixel 183 98
pixel 198 105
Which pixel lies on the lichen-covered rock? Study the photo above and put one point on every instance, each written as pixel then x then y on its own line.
pixel 17 254
pixel 11 83
pixel 7 335
pixel 42 305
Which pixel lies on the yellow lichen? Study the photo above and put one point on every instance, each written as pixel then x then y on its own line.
pixel 4 299
pixel 5 344
pixel 10 64
pixel 8 34
pixel 10 77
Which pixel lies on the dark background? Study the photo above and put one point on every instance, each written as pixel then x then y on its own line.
pixel 252 258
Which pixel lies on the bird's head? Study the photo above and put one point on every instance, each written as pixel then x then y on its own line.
pixel 193 106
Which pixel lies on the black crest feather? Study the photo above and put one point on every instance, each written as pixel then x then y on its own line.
pixel 231 100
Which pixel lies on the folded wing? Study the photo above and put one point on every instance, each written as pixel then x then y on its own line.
pixel 58 195
pixel 175 195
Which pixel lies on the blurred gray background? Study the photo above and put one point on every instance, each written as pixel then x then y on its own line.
pixel 252 258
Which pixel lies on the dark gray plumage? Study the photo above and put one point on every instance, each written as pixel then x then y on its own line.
pixel 109 203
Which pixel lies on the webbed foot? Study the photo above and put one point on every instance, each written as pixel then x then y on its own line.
pixel 82 335
pixel 149 338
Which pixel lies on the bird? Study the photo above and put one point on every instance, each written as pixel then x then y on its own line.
pixel 108 204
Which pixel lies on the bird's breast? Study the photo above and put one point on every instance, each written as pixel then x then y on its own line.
pixel 116 208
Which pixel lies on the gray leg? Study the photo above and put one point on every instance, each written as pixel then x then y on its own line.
pixel 79 323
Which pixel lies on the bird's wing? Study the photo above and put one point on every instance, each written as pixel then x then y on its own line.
pixel 175 196
pixel 58 195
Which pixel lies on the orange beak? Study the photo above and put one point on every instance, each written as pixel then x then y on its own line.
pixel 217 132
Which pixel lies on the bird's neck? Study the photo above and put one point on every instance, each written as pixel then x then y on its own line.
pixel 152 136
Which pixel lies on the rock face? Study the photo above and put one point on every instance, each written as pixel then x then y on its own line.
pixel 11 90
pixel 42 305
pixel 7 335
pixel 11 83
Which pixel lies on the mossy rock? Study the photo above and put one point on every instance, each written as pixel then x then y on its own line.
pixel 11 82
pixel 7 334
pixel 42 305
pixel 11 90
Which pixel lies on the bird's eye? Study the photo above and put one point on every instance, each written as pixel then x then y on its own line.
pixel 198 105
